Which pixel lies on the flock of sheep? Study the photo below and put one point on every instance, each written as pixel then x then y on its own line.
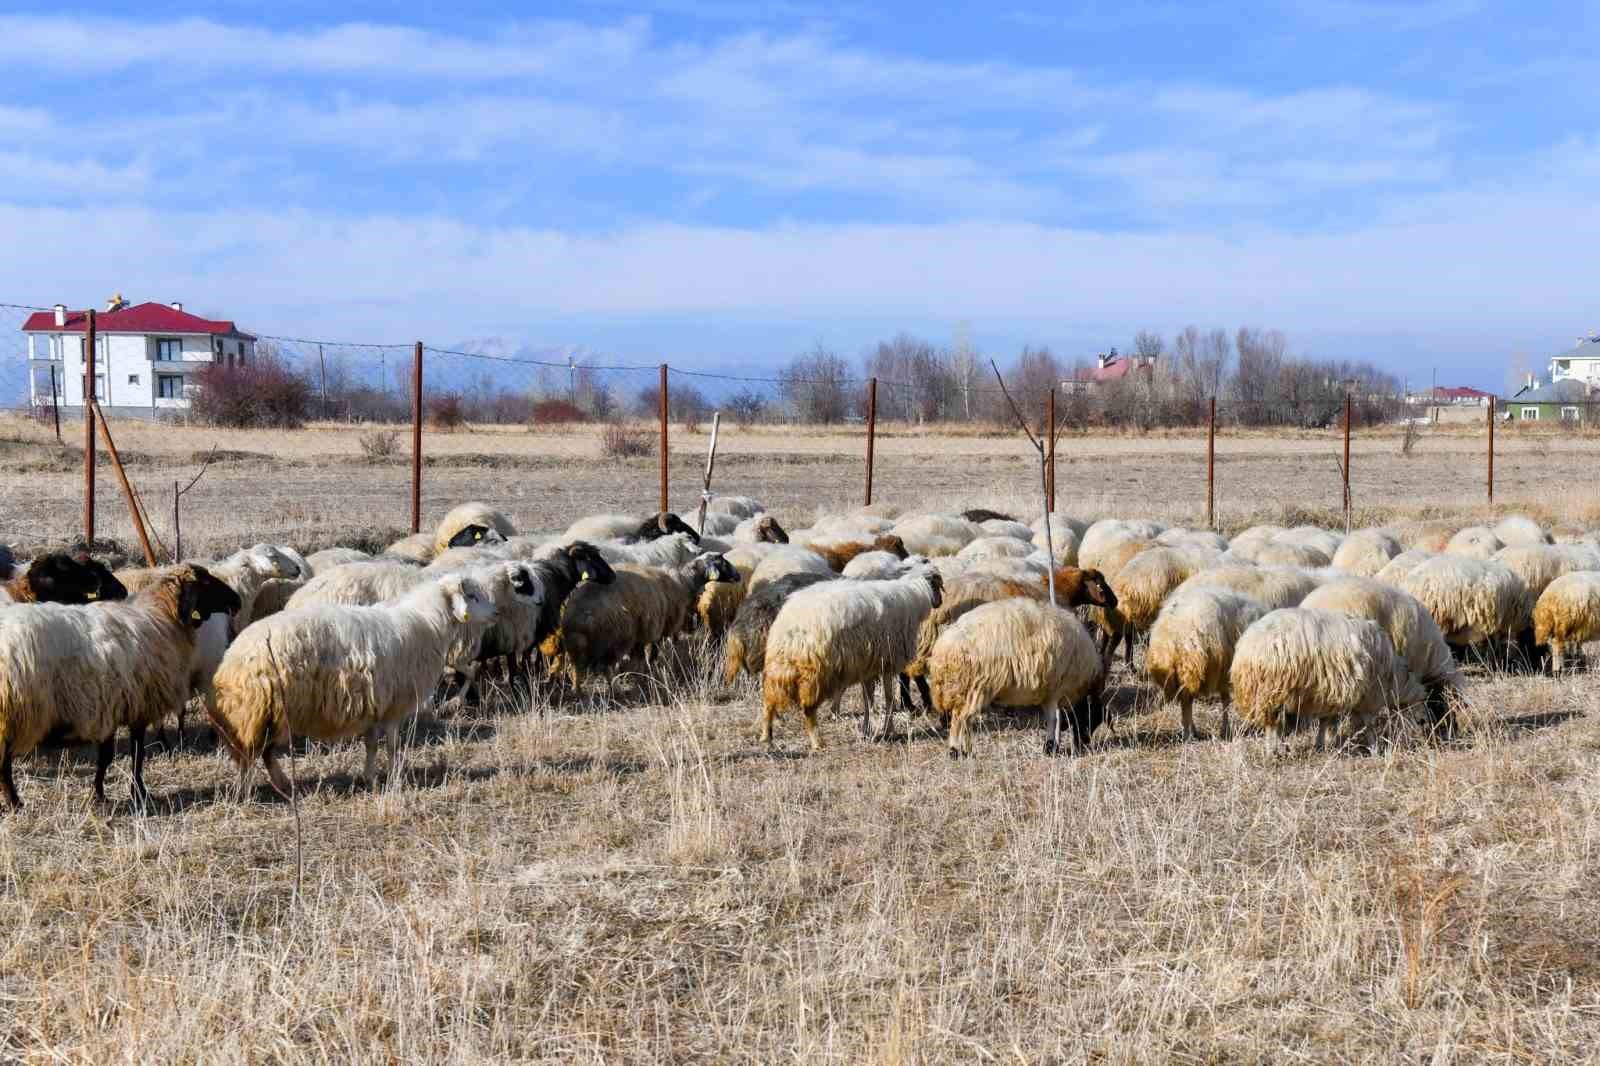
pixel 953 611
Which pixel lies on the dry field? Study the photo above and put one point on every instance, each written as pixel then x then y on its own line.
pixel 635 880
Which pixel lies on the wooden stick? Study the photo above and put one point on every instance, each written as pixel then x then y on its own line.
pixel 127 489
pixel 711 464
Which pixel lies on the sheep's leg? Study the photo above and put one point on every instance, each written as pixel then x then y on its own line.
pixel 1052 729
pixel 141 795
pixel 1189 731
pixel 889 708
pixel 809 715
pixel 391 741
pixel 246 771
pixel 280 780
pixel 768 713
pixel 866 707
pixel 7 783
pixel 1322 734
pixel 1127 646
pixel 1225 731
pixel 369 772
pixel 103 754
pixel 904 685
pixel 1558 657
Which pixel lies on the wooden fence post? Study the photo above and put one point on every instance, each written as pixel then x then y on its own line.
pixel 88 429
pixel 1347 463
pixel 711 465
pixel 872 431
pixel 55 403
pixel 665 505
pixel 1211 466
pixel 416 439
pixel 1491 451
pixel 1050 462
pixel 127 489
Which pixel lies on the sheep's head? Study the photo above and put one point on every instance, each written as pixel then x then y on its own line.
pixel 470 536
pixel 201 595
pixel 935 586
pixel 8 562
pixel 525 584
pixel 589 564
pixel 109 587
pixel 768 531
pixel 664 524
pixel 1093 588
pixel 710 567
pixel 890 543
pixel 468 600
pixel 60 578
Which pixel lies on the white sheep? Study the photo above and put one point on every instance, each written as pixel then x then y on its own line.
pixel 470 524
pixel 786 559
pixel 836 634
pixel 1473 601
pixel 1016 652
pixel 1246 543
pixel 89 670
pixel 1006 527
pixel 1295 663
pixel 875 566
pixel 1287 553
pixel 1103 539
pixel 675 549
pixel 1396 569
pixel 1191 647
pixel 332 672
pixel 1270 586
pixel 1474 542
pixel 936 534
pixel 1065 533
pixel 1203 539
pixel 988 547
pixel 416 548
pixel 1520 530
pixel 1366 551
pixel 1568 615
pixel 738 506
pixel 358 584
pixel 1324 542
pixel 328 558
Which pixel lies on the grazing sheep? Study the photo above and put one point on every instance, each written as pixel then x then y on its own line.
pixel 1323 664
pixel 594 528
pixel 58 577
pixel 837 553
pixel 1568 615
pixel 746 645
pixel 1142 585
pixel 1191 647
pixel 875 566
pixel 1521 531
pixel 1017 652
pixel 996 548
pixel 786 559
pixel 1539 564
pixel 518 595
pixel 358 584
pixel 1415 635
pixel 1366 551
pixel 336 671
pixel 328 558
pixel 662 524
pixel 1429 536
pixel 1474 542
pixel 561 571
pixel 1107 537
pixel 760 529
pixel 531 546
pixel 466 557
pixel 1324 542
pixel 856 525
pixel 1005 527
pixel 719 601
pixel 837 634
pixel 417 548
pixel 1286 553
pixel 1271 586
pixel 602 625
pixel 1065 533
pixel 275 591
pixel 1245 544
pixel 718 525
pixel 1473 601
pixel 1203 539
pixel 1396 569
pixel 84 671
pixel 672 550
pixel 469 524
pixel 936 534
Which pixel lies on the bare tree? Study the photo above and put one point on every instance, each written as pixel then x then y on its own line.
pixel 815 386
pixel 964 367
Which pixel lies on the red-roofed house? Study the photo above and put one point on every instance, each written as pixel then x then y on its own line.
pixel 1454 396
pixel 144 354
pixel 1108 367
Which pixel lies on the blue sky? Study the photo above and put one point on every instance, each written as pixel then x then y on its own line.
pixel 728 182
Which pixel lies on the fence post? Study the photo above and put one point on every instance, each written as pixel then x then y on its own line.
pixel 88 429
pixel 665 505
pixel 872 431
pixel 323 365
pixel 127 489
pixel 1050 462
pixel 55 403
pixel 711 465
pixel 416 439
pixel 177 528
pixel 1347 463
pixel 1211 466
pixel 1491 451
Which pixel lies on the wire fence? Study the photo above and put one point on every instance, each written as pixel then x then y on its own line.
pixel 356 478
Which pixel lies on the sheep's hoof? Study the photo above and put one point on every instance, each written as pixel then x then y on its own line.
pixel 1052 747
pixel 955 754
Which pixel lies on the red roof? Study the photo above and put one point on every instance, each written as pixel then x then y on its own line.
pixel 1460 392
pixel 1115 370
pixel 136 318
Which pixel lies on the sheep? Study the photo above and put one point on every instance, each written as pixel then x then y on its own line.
pixel 417 548
pixel 1142 585
pixel 1405 620
pixel 518 595
pixel 738 506
pixel 599 528
pixel 467 524
pixel 1006 527
pixel 980 515
pixel 987 547
pixel 1270 586
pixel 1017 652
pixel 1395 570
pixel 1474 542
pixel 1473 601
pixel 275 591
pixel 560 572
pixel 1191 647
pixel 672 550
pixel 1103 539
pixel 1366 551
pixel 85 671
pixel 834 635
pixel 874 566
pixel 1429 536
pixel 335 671
pixel 1568 614
pixel 857 524
pixel 1063 538
pixel 1286 553
pixel 1074 588
pixel 1539 564
pixel 1521 531
pixel 1193 538
pixel 719 601
pixel 712 524
pixel 1324 542
pixel 58 577
pixel 465 558
pixel 1326 664
pixel 328 558
pixel 1245 544
pixel 358 584
pixel 532 546
pixel 746 645
pixel 760 529
pixel 936 534
pixel 837 553
pixel 787 559
pixel 602 625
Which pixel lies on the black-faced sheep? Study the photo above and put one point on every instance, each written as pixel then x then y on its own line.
pixel 58 577
pixel 469 524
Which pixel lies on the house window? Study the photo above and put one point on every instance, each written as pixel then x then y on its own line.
pixel 169 349
pixel 133 379
pixel 1569 414
pixel 1530 414
pixel 169 386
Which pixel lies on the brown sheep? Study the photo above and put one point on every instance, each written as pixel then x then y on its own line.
pixel 839 553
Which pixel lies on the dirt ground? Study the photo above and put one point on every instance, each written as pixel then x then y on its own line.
pixel 630 877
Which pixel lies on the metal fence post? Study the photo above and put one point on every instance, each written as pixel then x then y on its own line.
pixel 416 439
pixel 665 505
pixel 1050 461
pixel 88 429
pixel 1491 450
pixel 872 431
pixel 55 403
pixel 1211 466
pixel 1347 462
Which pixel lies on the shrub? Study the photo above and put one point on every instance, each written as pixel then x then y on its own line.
pixel 619 441
pixel 379 443
pixel 265 393
pixel 446 412
pixel 557 412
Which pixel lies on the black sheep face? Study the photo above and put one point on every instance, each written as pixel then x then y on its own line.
pixel 110 588
pixel 8 563
pixel 205 595
pixel 59 578
pixel 472 536
pixel 1098 590
pixel 769 531
pixel 936 587
pixel 590 564
pixel 717 569
pixel 666 523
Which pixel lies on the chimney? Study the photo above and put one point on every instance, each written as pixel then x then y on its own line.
pixel 61 314
pixel 177 305
pixel 1103 359
pixel 1530 380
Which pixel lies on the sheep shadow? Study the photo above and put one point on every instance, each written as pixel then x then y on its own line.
pixel 1528 724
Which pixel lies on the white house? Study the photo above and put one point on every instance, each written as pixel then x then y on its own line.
pixel 145 355
pixel 1581 363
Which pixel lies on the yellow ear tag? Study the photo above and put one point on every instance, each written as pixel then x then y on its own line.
pixel 194 616
pixel 91 596
pixel 583 575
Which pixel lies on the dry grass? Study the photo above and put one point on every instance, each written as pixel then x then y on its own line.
pixel 635 880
